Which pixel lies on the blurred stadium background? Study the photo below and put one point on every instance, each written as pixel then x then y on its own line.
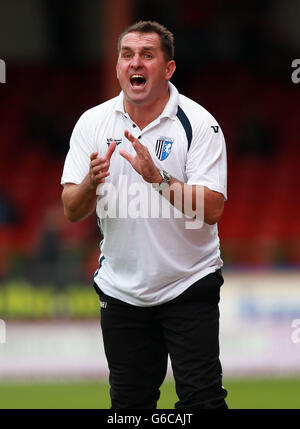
pixel 235 59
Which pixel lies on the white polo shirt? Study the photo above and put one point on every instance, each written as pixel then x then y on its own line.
pixel 148 254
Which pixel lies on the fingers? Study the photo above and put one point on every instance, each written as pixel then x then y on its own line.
pixel 99 178
pixel 103 162
pixel 137 145
pixel 111 148
pixel 99 163
pixel 93 156
pixel 99 167
pixel 126 155
pixel 128 135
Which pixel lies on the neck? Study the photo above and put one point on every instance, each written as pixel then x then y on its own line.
pixel 144 114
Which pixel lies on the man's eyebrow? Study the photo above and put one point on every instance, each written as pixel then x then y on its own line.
pixel 149 48
pixel 125 48
pixel 144 48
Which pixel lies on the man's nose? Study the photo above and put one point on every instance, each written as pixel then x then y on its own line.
pixel 136 61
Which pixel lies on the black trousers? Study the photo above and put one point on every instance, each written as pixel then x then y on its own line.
pixel 138 340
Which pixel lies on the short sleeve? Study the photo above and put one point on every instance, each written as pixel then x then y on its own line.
pixel 77 161
pixel 206 158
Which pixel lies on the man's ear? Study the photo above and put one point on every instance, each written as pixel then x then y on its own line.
pixel 117 69
pixel 171 67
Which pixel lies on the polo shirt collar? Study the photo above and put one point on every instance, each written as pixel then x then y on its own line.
pixel 169 111
pixel 119 107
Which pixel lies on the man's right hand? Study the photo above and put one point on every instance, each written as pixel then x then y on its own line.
pixel 99 166
pixel 79 200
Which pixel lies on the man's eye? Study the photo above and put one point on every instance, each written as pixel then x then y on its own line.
pixel 148 56
pixel 126 55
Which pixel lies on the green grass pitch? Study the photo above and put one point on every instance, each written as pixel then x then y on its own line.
pixel 270 393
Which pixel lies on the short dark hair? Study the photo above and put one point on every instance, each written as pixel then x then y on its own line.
pixel 166 37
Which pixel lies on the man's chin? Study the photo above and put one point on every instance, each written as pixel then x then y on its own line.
pixel 137 98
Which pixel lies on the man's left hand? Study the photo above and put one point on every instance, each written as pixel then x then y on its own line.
pixel 142 162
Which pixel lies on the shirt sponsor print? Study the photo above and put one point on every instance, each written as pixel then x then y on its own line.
pixel 118 141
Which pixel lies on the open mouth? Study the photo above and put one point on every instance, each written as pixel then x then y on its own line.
pixel 137 80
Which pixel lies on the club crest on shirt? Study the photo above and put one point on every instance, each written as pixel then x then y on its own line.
pixel 163 147
pixel 118 141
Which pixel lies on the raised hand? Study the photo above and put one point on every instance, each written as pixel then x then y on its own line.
pixel 142 162
pixel 99 166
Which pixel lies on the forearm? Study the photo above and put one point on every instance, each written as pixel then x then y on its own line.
pixel 195 201
pixel 183 197
pixel 79 201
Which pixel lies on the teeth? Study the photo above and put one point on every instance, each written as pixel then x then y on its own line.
pixel 137 76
